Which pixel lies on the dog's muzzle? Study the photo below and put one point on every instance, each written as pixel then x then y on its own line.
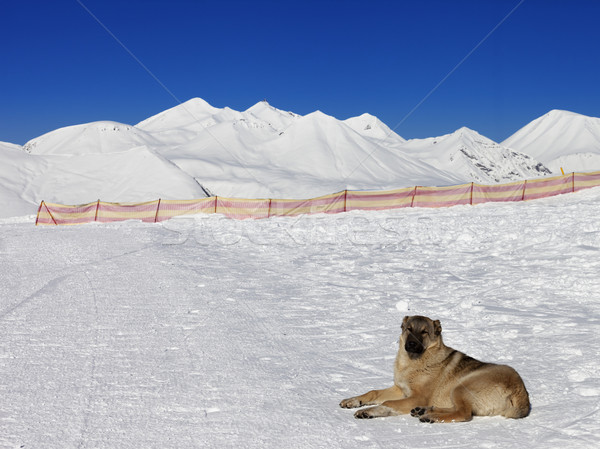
pixel 413 346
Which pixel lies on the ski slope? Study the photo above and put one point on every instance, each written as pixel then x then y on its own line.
pixel 204 332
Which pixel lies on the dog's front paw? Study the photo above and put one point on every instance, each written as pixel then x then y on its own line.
pixel 365 413
pixel 351 403
pixel 418 412
pixel 425 414
pixel 374 412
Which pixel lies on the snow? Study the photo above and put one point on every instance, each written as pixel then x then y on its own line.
pixel 208 332
pixel 16 169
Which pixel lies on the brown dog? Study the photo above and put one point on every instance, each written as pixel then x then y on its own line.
pixel 436 383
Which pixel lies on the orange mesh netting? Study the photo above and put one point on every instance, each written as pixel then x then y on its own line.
pixel 239 208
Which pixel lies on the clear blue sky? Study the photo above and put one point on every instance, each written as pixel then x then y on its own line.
pixel 60 67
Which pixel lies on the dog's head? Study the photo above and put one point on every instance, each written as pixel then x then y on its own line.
pixel 418 334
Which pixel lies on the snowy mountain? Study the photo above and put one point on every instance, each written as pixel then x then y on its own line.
pixel 195 149
pixel 9 146
pixel 133 175
pixel 90 138
pixel 318 154
pixel 137 174
pixel 476 157
pixel 277 119
pixel 561 139
pixel 16 169
pixel 190 114
pixel 370 126
pixel 266 152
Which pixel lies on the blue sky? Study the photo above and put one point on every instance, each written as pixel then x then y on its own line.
pixel 60 67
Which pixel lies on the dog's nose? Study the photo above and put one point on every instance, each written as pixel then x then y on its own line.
pixel 412 346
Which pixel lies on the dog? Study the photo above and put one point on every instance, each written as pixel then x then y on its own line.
pixel 436 383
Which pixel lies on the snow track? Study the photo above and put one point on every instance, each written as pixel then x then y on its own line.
pixel 207 332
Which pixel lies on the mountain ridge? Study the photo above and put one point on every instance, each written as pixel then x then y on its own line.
pixel 194 148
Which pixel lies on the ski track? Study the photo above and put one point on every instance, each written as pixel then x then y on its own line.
pixel 208 332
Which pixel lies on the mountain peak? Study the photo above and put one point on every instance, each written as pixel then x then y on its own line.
pixel 186 113
pixel 466 130
pixel 264 106
pixel 558 135
pixel 562 113
pixel 367 116
pixel 198 104
pixel 276 118
pixel 318 114
pixel 370 126
pixel 94 137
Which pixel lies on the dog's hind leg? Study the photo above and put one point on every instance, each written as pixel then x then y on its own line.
pixel 434 414
pixel 462 410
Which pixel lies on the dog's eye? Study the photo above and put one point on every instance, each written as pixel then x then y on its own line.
pixel 424 333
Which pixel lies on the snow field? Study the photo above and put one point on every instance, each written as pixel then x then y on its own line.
pixel 209 332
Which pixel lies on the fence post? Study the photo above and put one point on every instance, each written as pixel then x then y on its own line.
pixel 573 182
pixel 97 207
pixel 269 213
pixel 157 207
pixel 412 202
pixel 472 184
pixel 524 187
pixel 49 213
pixel 345 199
pixel 37 218
pixel 216 201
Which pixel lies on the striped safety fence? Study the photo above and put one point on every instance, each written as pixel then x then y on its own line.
pixel 347 200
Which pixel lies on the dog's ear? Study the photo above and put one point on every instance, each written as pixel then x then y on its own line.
pixel 437 326
pixel 404 321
